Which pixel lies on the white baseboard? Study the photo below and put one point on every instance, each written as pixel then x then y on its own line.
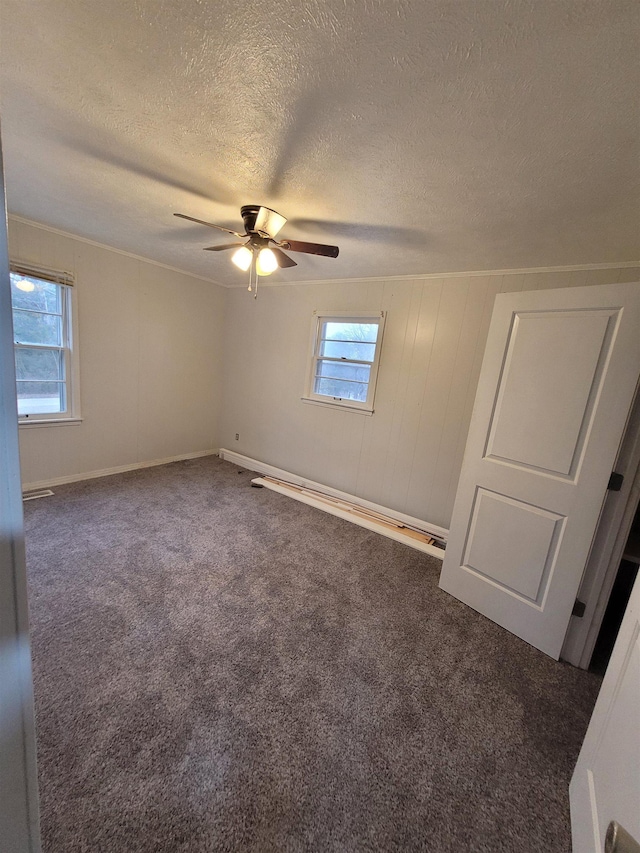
pixel 119 469
pixel 263 468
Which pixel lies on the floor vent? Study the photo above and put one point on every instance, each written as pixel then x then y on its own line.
pixel 43 493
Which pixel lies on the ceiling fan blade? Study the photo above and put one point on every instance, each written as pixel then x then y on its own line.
pixel 222 247
pixel 268 222
pixel 209 224
pixel 283 260
pixel 310 248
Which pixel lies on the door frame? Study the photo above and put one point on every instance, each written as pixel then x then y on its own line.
pixel 605 784
pixel 612 532
pixel 19 815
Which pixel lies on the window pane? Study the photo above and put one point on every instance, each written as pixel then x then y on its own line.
pixel 344 370
pixel 357 351
pixel 38 296
pixel 39 364
pixel 340 388
pixel 350 331
pixel 31 328
pixel 40 398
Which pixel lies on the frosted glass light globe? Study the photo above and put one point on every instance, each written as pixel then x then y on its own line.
pixel 267 262
pixel 242 258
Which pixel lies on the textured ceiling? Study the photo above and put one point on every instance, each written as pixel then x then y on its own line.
pixel 419 136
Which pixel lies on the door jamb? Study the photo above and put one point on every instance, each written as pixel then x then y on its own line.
pixel 609 541
pixel 19 811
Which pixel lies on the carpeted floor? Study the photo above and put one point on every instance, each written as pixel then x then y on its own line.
pixel 221 668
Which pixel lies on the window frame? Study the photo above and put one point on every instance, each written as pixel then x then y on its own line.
pixel 68 312
pixel 319 319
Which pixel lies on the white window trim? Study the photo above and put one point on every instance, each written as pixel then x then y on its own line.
pixel 320 317
pixel 72 369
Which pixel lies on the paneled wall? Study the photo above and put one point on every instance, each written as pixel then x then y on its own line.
pixel 172 365
pixel 150 349
pixel 407 456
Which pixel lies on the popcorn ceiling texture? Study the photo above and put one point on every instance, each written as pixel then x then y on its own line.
pixel 420 137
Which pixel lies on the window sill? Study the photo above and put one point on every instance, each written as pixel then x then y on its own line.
pixel 38 422
pixel 342 406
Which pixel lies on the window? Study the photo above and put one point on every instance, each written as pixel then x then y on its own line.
pixel 344 360
pixel 42 335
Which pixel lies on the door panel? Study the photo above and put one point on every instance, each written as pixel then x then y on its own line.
pixel 540 416
pixel 606 781
pixel 556 386
pixel 533 531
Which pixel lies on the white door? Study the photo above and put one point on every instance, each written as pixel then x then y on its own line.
pixel 606 781
pixel 19 822
pixel 557 382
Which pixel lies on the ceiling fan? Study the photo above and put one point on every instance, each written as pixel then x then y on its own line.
pixel 262 253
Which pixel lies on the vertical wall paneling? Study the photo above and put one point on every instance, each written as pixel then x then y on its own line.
pixel 377 430
pixel 512 283
pixel 494 285
pixel 406 456
pixel 601 276
pixel 150 350
pixel 438 376
pixel 461 387
pixel 172 365
pixel 629 274
pixel 415 401
pixel 403 315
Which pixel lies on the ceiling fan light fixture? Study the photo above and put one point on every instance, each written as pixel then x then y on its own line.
pixel 26 285
pixel 266 262
pixel 242 258
pixel 261 224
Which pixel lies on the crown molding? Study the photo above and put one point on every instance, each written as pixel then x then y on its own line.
pixel 447 275
pixel 265 282
pixel 15 218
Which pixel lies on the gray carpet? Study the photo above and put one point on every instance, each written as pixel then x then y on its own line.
pixel 221 668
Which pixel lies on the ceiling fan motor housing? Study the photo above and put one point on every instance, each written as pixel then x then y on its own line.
pixel 249 213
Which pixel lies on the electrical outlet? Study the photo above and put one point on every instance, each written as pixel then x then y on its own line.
pixel 237 436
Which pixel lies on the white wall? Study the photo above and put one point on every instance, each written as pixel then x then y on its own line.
pixel 172 365
pixel 150 347
pixel 407 456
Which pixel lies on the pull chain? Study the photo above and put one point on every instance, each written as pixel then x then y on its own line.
pixel 253 278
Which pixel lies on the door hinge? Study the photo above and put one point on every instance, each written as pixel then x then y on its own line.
pixel 615 482
pixel 578 608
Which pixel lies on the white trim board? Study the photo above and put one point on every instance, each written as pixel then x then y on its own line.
pixel 280 474
pixel 266 282
pixel 430 276
pixel 118 469
pixel 13 217
pixel 377 526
